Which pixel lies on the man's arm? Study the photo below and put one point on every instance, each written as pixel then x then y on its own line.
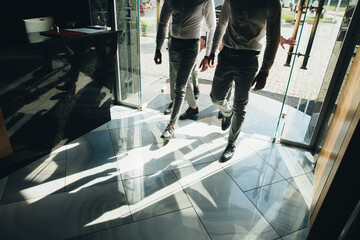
pixel 220 31
pixel 273 24
pixel 210 21
pixel 160 36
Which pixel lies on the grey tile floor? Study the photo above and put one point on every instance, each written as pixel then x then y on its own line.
pixel 121 181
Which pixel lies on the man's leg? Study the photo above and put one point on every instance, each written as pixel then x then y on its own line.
pixel 172 82
pixel 243 78
pixel 228 97
pixel 245 70
pixel 221 86
pixel 195 81
pixel 189 95
pixel 185 61
pixel 183 55
pixel 193 110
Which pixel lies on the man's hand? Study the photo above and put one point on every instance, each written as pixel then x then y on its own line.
pixel 289 41
pixel 260 81
pixel 211 60
pixel 204 65
pixel 157 57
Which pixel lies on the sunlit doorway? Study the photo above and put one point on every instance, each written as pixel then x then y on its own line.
pixel 287 109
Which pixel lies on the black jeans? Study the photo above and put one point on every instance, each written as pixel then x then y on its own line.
pixel 239 66
pixel 183 53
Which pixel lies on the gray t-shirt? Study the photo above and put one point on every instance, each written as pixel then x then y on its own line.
pixel 187 17
pixel 243 23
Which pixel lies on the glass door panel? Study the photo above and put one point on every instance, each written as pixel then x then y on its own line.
pixel 352 46
pixel 264 110
pixel 153 76
pixel 129 78
pixel 311 71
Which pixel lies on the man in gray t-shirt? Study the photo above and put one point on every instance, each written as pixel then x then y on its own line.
pixel 185 29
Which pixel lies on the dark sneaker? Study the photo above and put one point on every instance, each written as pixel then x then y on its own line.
pixel 168 133
pixel 220 115
pixel 228 153
pixel 168 110
pixel 190 114
pixel 225 122
pixel 196 92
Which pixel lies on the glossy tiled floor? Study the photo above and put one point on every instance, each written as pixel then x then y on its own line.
pixel 121 181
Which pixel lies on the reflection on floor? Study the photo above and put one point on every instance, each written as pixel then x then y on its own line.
pixel 121 181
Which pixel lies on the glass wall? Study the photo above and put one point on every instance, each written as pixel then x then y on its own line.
pixel 152 76
pixel 129 84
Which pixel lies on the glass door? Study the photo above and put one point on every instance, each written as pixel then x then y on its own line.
pixel 153 76
pixel 128 59
pixel 312 66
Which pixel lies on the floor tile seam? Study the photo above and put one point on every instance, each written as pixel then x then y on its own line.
pixel 156 142
pixel 168 170
pixel 298 151
pixel 123 185
pixel 303 174
pixel 259 150
pixel 204 177
pixel 37 197
pixel 98 184
pixel 294 232
pixel 164 171
pixel 283 178
pixel 266 185
pixel 146 175
pixel 65 191
pixel 192 206
pixel 113 153
pixel 5 185
pixel 138 122
pixel 124 224
pixel 298 190
pixel 277 170
pixel 244 191
pixel 279 235
pixel 209 149
pixel 260 137
pixel 159 215
pixel 126 148
pixel 273 167
pixel 264 215
pixel 129 148
pixel 47 164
